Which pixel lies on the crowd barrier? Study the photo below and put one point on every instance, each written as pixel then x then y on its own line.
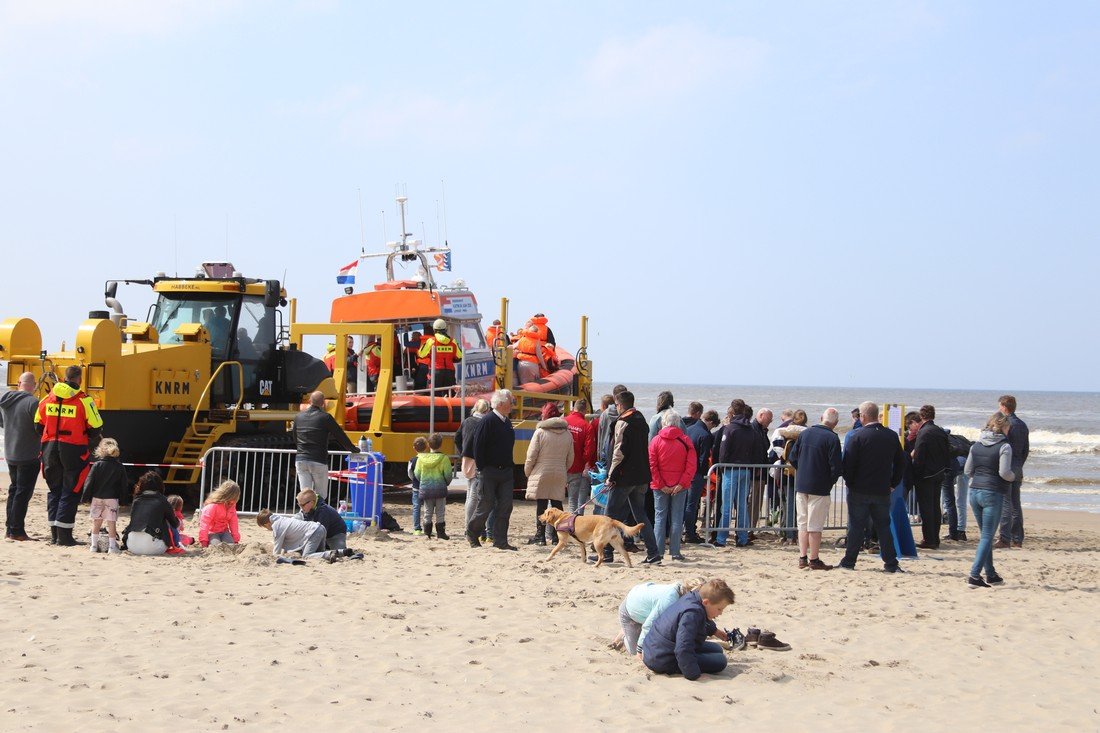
pixel 268 479
pixel 769 500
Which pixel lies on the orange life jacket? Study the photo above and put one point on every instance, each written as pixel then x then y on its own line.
pixel 66 415
pixel 537 327
pixel 492 333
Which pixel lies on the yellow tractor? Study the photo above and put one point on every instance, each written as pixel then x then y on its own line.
pixel 208 365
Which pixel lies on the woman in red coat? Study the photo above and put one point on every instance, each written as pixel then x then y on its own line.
pixel 672 464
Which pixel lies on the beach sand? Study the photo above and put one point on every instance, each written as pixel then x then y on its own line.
pixel 429 632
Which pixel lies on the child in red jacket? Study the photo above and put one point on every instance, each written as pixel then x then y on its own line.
pixel 178 536
pixel 218 521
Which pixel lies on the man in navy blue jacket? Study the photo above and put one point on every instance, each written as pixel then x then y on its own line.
pixel 703 441
pixel 677 641
pixel 1012 516
pixel 816 456
pixel 494 442
pixel 873 465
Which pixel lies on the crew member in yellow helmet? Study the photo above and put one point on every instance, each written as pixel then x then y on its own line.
pixel 447 354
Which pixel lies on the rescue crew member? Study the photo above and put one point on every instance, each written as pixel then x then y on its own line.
pixel 68 422
pixel 447 354
pixel 492 333
pixel 330 357
pixel 373 354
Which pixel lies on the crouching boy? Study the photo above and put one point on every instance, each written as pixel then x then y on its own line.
pixel 296 535
pixel 677 642
pixel 313 509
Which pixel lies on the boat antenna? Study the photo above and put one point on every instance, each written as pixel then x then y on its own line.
pixel 401 201
pixel 443 188
pixel 227 236
pixel 176 244
pixel 362 232
pixel 384 236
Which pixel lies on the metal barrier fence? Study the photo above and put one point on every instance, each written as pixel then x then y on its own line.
pixel 268 478
pixel 765 492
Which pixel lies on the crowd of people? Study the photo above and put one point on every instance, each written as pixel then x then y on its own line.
pixel 655 472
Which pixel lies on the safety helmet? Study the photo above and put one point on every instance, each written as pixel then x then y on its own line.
pixel 439 325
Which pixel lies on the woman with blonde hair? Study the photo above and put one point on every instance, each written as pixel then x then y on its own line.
pixel 104 487
pixel 218 521
pixel 989 467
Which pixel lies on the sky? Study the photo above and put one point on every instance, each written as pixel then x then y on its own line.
pixel 846 194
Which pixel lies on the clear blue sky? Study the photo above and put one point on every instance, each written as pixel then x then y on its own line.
pixel 852 194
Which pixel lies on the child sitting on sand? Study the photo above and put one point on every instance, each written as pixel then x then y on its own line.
pixel 300 536
pixel 314 509
pixel 181 539
pixel 434 472
pixel 642 606
pixel 104 486
pixel 218 520
pixel 677 641
pixel 420 445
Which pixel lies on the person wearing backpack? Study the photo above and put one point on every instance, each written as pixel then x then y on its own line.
pixel 956 487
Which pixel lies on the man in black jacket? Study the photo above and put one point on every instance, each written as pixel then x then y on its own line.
pixel 738 443
pixel 628 477
pixel 701 438
pixel 494 442
pixel 313 429
pixel 873 465
pixel 931 452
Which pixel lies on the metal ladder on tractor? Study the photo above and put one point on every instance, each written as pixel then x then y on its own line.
pixel 185 456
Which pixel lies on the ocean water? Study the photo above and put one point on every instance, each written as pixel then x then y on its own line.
pixel 1062 471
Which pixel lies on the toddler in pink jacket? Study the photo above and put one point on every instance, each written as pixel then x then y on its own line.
pixel 218 521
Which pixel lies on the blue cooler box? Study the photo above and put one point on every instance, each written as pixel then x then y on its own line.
pixel 365 492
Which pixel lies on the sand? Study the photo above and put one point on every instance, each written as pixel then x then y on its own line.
pixel 429 632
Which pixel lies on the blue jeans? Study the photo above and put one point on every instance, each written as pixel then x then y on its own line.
pixel 691 504
pixel 1012 526
pixel 735 485
pixel 627 500
pixel 416 508
pixel 953 497
pixel 987 506
pixel 666 504
pixel 861 509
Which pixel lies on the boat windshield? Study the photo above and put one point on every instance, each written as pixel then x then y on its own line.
pixel 216 314
pixel 471 336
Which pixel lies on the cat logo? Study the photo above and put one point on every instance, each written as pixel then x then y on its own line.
pixel 265 387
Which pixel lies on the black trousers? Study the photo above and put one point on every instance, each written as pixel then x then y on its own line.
pixel 64 467
pixel 928 502
pixel 23 476
pixel 495 497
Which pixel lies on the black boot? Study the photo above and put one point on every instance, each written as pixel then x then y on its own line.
pixel 65 537
pixel 441 530
pixel 537 538
pixel 427 527
pixel 53 535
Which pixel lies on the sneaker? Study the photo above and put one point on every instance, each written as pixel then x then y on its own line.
pixel 356 556
pixel 678 558
pixel 506 547
pixel 803 562
pixel 975 581
pixel 961 537
pixel 694 539
pixel 418 532
pixel 537 540
pixel 816 564
pixel 752 638
pixel 994 579
pixel 769 642
pixel 654 560
pixel 735 639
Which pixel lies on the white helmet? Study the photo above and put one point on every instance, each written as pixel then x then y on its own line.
pixel 439 325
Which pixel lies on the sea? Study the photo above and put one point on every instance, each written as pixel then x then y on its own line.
pixel 1062 470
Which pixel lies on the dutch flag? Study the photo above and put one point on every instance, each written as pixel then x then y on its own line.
pixel 346 276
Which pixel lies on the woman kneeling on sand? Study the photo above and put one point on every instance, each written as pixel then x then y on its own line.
pixel 151 519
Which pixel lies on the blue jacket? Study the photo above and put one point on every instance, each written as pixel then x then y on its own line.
pixel 703 441
pixel 326 516
pixel 874 462
pixel 673 643
pixel 1020 440
pixel 816 456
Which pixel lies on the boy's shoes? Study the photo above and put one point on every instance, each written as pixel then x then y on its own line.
pixel 752 638
pixel 418 532
pixel 175 551
pixel 768 641
pixel 994 579
pixel 735 639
